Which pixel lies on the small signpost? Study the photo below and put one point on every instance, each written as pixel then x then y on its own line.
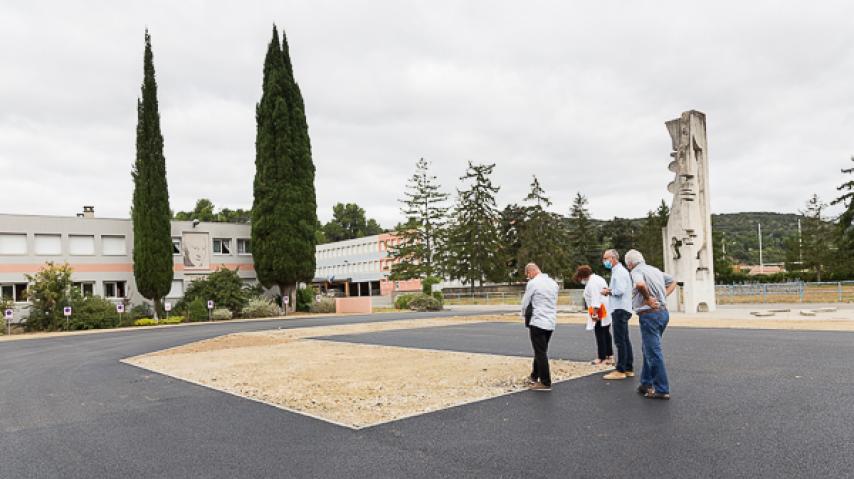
pixel 8 315
pixel 66 311
pixel 167 307
pixel 120 308
pixel 317 298
pixel 285 301
pixel 210 309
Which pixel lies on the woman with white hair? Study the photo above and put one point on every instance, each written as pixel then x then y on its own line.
pixel 599 314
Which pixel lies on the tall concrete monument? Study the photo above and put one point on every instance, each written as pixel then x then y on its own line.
pixel 688 234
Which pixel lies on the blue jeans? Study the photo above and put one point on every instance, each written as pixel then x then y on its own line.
pixel 652 325
pixel 625 360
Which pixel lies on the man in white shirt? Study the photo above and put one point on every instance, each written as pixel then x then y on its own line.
pixel 539 308
pixel 620 292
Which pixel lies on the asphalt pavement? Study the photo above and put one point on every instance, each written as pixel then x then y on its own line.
pixel 745 403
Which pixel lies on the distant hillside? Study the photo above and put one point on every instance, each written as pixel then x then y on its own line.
pixel 739 231
pixel 742 238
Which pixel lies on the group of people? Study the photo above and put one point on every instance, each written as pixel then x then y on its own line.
pixel 634 288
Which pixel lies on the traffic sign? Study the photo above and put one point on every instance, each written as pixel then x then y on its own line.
pixel 120 308
pixel 287 300
pixel 66 311
pixel 167 307
pixel 8 314
pixel 317 298
pixel 210 304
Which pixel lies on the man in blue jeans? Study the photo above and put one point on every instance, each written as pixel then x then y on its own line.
pixel 620 301
pixel 649 300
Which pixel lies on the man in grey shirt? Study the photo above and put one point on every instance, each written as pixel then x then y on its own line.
pixel 649 301
pixel 539 308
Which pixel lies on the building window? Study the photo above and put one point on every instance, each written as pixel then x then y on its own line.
pixel 222 246
pixel 114 245
pixel 48 245
pixel 114 289
pixel 177 290
pixel 80 245
pixel 15 292
pixel 244 246
pixel 85 288
pixel 13 243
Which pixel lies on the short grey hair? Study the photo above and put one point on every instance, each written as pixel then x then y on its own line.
pixel 634 257
pixel 612 253
pixel 531 267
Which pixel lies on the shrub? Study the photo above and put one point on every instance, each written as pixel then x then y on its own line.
pixel 326 305
pixel 197 310
pixel 92 312
pixel 145 322
pixel 423 302
pixel 305 298
pixel 223 286
pixel 260 308
pixel 220 314
pixel 439 297
pixel 402 301
pixel 172 320
pixel 427 284
pixel 142 310
pixel 49 292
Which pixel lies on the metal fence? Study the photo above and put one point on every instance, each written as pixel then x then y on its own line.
pixel 793 292
pixel 566 297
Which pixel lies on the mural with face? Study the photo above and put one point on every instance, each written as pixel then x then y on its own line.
pixel 197 250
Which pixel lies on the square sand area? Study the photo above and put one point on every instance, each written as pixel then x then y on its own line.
pixel 353 385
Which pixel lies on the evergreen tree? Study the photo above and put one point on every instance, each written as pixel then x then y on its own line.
pixel 542 236
pixel 650 240
pixel 816 238
pixel 349 222
pixel 284 211
pixel 152 236
pixel 583 235
pixel 473 248
pixel 512 221
pixel 421 234
pixel 620 234
pixel 845 226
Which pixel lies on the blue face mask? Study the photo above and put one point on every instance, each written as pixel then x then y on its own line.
pixel 606 264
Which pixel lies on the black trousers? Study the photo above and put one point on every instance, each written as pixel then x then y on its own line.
pixel 604 345
pixel 540 341
pixel 625 361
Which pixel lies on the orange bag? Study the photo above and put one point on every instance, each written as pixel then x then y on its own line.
pixel 602 311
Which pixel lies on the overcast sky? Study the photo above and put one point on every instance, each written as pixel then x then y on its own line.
pixel 574 92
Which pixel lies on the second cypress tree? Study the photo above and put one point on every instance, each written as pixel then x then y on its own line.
pixel 152 238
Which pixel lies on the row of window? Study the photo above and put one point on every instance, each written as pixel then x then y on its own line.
pixel 221 246
pixel 356 267
pixel 51 245
pixel 324 252
pixel 17 292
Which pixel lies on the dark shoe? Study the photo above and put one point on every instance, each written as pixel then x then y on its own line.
pixel 538 386
pixel 644 390
pixel 655 395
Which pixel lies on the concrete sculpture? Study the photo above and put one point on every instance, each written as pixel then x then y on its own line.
pixel 688 234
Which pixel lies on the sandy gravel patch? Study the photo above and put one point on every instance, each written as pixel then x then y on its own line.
pixel 355 385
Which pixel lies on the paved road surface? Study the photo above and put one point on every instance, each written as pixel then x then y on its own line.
pixel 746 404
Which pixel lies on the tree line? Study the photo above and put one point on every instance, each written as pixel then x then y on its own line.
pixel 473 240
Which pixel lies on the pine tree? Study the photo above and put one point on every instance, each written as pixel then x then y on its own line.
pixel 583 235
pixel 845 225
pixel 473 248
pixel 512 221
pixel 542 236
pixel 421 234
pixel 620 234
pixel 816 238
pixel 284 211
pixel 650 241
pixel 152 240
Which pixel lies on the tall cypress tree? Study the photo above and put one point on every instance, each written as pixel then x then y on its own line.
pixel 284 211
pixel 152 238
